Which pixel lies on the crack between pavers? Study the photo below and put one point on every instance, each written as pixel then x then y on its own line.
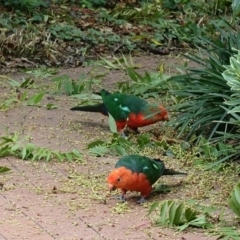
pixel 14 204
pixel 30 218
pixel 64 174
pixel 24 119
pixel 89 226
pixel 3 236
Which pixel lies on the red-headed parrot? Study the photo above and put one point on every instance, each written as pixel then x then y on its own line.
pixel 127 110
pixel 137 173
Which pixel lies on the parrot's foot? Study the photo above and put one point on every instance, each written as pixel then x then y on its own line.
pixel 142 200
pixel 127 131
pixel 124 135
pixel 121 198
pixel 102 122
pixel 134 130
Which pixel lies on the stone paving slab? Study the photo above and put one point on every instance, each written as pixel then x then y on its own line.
pixel 31 210
pixel 40 200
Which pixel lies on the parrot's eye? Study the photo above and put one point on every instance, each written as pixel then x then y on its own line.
pixel 119 179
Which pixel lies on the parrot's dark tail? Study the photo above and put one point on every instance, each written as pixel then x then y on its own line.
pixel 169 171
pixel 103 91
pixel 99 108
pixel 172 172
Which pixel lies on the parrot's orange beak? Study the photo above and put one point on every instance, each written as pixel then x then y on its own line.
pixel 111 187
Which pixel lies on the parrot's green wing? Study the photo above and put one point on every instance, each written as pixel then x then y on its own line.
pixel 121 105
pixel 152 169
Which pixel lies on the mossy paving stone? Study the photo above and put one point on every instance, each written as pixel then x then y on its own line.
pixel 34 175
pixel 46 205
pixel 51 212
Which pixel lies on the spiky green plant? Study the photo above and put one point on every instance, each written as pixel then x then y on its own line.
pixel 171 213
pixel 4 169
pixel 234 200
pixel 203 90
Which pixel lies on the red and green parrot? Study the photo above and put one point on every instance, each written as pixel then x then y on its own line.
pixel 137 173
pixel 127 110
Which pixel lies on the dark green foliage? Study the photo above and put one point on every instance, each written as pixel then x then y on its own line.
pixel 55 31
pixel 84 3
pixel 25 4
pixel 216 7
pixel 209 100
pixel 203 90
pixel 91 3
pixel 66 32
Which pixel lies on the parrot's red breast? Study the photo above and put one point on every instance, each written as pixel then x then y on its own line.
pixel 135 121
pixel 137 173
pixel 127 110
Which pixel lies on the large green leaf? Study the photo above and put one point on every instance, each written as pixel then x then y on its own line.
pixel 35 99
pixel 112 123
pixel 236 7
pixel 173 213
pixel 234 200
pixel 4 169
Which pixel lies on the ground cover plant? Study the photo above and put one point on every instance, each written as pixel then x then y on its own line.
pixel 62 33
pixel 202 135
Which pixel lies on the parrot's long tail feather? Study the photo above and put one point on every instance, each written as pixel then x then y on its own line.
pixel 102 91
pixel 169 171
pixel 172 172
pixel 99 108
pixel 97 93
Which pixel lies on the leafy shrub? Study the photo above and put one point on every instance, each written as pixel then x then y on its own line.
pixel 148 85
pixel 66 32
pixel 202 92
pixel 147 11
pixel 228 141
pixel 84 3
pixel 232 104
pixel 11 145
pixel 170 213
pixel 25 4
pixel 92 3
